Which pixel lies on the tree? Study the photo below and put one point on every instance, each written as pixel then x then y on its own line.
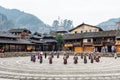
pixel 60 41
pixel 55 23
pixel 68 24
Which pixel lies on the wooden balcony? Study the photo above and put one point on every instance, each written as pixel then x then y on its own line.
pixel 97 42
pixel 87 43
pixel 77 44
pixel 68 45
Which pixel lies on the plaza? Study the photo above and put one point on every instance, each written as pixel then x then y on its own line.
pixel 21 68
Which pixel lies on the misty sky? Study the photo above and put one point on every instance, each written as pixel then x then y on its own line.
pixel 91 12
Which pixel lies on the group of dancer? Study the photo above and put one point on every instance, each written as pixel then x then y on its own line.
pixel 40 56
pixel 85 56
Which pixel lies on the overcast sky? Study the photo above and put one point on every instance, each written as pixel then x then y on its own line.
pixel 91 12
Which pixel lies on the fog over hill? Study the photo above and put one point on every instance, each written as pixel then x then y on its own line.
pixel 18 19
pixel 109 24
pixel 13 18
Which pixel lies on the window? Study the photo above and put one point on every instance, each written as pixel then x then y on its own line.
pixel 88 40
pixel 95 30
pixel 75 32
pixel 84 31
pixel 89 30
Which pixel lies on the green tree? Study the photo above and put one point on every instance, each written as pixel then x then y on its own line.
pixel 60 41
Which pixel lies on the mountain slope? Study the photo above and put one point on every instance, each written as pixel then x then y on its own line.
pixel 110 24
pixel 24 20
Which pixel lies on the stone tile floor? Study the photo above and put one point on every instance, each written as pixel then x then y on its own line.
pixel 21 68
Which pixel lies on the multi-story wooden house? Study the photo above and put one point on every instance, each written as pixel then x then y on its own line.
pixel 82 28
pixel 43 42
pixel 38 42
pixel 86 42
pixel 12 43
pixel 22 33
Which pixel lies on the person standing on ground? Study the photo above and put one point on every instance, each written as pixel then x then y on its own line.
pixel 41 58
pixel 67 55
pixel 75 59
pixel 115 55
pixel 65 59
pixel 34 58
pixel 57 54
pixel 97 57
pixel 91 59
pixel 113 48
pixel 85 59
pixel 81 54
pixel 45 55
pixel 50 59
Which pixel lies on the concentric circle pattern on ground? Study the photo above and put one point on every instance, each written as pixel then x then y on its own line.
pixel 21 68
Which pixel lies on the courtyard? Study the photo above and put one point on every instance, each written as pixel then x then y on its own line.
pixel 21 68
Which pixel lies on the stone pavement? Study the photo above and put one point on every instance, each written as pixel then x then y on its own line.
pixel 21 68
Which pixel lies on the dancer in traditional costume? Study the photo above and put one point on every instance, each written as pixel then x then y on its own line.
pixel 65 59
pixel 50 59
pixel 75 59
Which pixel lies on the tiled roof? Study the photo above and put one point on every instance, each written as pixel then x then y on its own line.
pixel 36 41
pixel 87 25
pixel 19 41
pixel 49 40
pixel 19 30
pixel 8 35
pixel 35 36
pixel 110 33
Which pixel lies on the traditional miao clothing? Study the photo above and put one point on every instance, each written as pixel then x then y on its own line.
pixel 34 58
pixel 45 55
pixel 65 59
pixel 97 57
pixel 115 55
pixel 91 59
pixel 41 58
pixel 52 54
pixel 89 56
pixel 81 55
pixel 67 55
pixel 50 59
pixel 75 59
pixel 32 55
pixel 85 59
pixel 57 54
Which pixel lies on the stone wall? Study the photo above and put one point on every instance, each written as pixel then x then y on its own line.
pixel 17 54
pixel 14 54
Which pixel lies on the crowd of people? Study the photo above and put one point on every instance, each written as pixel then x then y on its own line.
pixel 104 49
pixel 86 57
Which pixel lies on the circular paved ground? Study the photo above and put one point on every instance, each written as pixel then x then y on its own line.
pixel 21 68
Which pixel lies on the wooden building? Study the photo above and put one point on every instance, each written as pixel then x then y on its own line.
pixel 38 42
pixel 86 42
pixel 12 43
pixel 82 28
pixel 22 33
pixel 43 42
pixel 117 41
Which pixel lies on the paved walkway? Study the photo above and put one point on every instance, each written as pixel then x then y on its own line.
pixel 21 68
